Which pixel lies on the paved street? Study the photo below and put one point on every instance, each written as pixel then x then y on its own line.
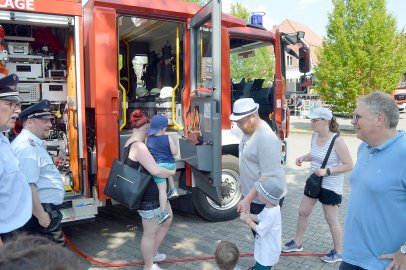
pixel 115 235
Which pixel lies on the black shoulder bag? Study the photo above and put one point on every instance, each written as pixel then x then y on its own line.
pixel 313 183
pixel 126 184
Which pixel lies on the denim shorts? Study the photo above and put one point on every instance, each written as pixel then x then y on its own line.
pixel 149 210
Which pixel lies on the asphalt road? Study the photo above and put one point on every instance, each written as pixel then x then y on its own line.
pixel 116 233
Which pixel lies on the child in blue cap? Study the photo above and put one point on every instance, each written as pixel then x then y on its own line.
pixel 162 148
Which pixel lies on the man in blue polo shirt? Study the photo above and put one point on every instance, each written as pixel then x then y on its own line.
pixel 15 194
pixel 375 226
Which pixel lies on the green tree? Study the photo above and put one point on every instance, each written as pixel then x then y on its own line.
pixel 362 52
pixel 259 66
pixel 199 2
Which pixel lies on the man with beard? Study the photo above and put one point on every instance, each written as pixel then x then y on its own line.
pixel 259 154
pixel 42 175
pixel 15 195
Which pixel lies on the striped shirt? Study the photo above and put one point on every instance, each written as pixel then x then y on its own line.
pixel 317 155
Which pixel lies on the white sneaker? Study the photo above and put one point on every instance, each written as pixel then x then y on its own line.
pixel 154 267
pixel 159 257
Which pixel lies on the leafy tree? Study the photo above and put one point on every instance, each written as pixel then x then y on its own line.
pixel 362 52
pixel 259 66
pixel 199 2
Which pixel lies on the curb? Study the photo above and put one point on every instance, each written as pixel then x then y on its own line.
pixel 344 132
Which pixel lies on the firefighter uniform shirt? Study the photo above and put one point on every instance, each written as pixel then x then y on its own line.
pixel 15 193
pixel 39 168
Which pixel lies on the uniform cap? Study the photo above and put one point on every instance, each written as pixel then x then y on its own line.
pixel 242 108
pixel 158 122
pixel 273 189
pixel 41 110
pixel 8 87
pixel 320 112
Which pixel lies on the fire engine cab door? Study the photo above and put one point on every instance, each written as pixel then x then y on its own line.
pixel 205 75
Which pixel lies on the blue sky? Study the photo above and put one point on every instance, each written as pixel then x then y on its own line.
pixel 312 13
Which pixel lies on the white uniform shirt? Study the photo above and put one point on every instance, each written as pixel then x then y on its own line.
pixel 38 167
pixel 268 240
pixel 15 193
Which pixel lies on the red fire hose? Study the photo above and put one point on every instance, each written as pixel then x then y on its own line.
pixel 177 260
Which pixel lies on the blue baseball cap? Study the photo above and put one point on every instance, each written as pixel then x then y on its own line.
pixel 158 122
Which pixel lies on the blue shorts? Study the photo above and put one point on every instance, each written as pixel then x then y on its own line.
pixel 169 166
pixel 149 210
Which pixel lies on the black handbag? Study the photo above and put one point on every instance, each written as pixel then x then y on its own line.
pixel 313 183
pixel 126 184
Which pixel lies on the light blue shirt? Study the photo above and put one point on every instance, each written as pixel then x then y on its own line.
pixel 376 215
pixel 38 167
pixel 15 193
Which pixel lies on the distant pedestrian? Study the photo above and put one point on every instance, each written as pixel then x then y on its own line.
pixel 268 223
pixel 15 194
pixel 227 256
pixel 44 178
pixel 375 225
pixel 325 127
pixel 162 148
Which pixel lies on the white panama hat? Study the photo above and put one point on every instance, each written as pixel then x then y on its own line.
pixel 242 108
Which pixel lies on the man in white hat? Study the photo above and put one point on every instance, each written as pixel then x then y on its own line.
pixel 259 153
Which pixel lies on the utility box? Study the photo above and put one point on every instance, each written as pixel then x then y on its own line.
pixel 84 207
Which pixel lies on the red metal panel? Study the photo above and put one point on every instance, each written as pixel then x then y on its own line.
pixel 170 8
pixel 280 88
pixel 226 96
pixel 103 74
pixel 57 7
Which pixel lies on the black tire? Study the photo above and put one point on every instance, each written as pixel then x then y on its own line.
pixel 231 194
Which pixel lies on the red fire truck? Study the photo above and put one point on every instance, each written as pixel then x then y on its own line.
pixel 400 97
pixel 98 60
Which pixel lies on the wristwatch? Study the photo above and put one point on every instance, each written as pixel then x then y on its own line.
pixel 328 171
pixel 403 249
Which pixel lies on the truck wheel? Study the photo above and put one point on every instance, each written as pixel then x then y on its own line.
pixel 231 194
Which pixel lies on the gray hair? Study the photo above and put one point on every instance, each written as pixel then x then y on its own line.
pixel 381 102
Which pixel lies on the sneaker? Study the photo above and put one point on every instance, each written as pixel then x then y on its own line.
pixel 154 267
pixel 172 194
pixel 159 257
pixel 162 217
pixel 292 247
pixel 332 257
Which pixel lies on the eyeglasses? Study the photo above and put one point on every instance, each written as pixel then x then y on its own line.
pixel 14 105
pixel 355 117
pixel 315 120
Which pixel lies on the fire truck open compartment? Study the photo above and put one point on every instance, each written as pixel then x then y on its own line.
pixel 40 49
pixel 147 63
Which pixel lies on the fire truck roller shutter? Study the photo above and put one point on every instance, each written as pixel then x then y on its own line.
pixel 230 190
